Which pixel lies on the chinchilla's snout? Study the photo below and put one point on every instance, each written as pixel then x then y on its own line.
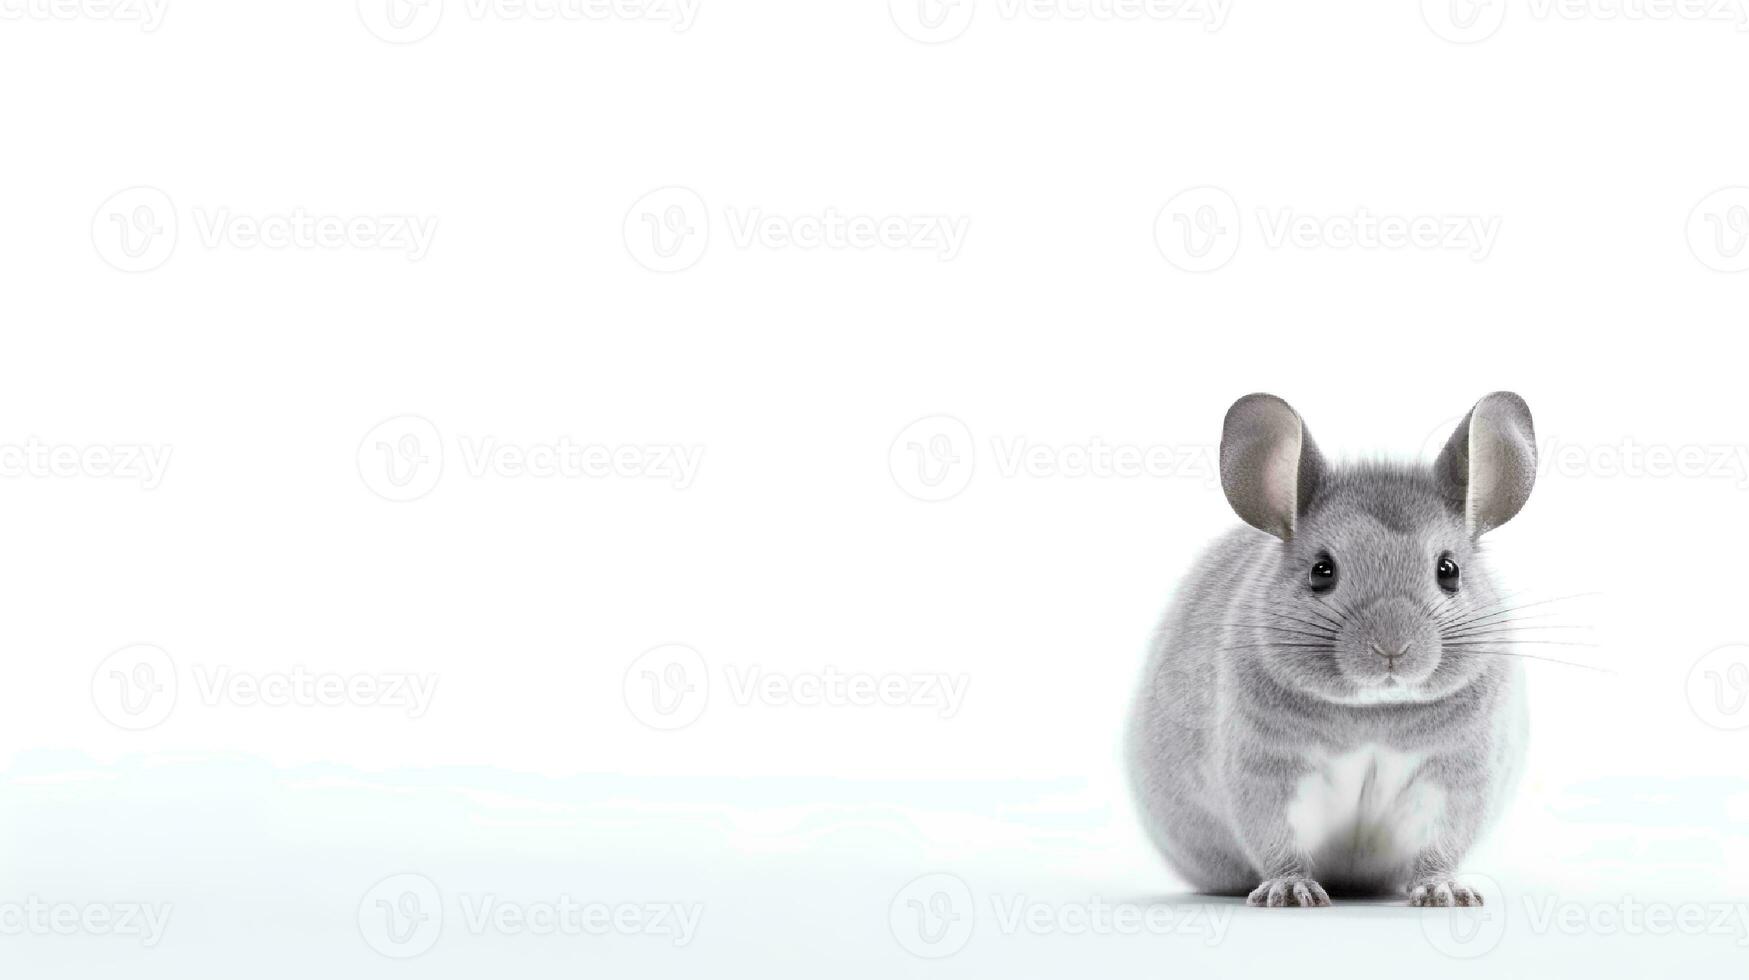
pixel 1390 639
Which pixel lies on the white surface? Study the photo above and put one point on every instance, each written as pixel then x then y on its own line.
pixel 900 519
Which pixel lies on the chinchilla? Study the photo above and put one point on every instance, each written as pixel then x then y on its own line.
pixel 1327 707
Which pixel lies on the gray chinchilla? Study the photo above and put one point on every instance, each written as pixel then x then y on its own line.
pixel 1326 705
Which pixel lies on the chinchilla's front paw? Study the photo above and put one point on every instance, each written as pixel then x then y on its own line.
pixel 1293 891
pixel 1441 892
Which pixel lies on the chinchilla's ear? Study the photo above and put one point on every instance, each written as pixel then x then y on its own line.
pixel 1489 465
pixel 1269 464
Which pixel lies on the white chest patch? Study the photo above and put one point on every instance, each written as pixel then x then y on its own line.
pixel 1364 815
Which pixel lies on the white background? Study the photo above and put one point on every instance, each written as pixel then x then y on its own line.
pixel 559 160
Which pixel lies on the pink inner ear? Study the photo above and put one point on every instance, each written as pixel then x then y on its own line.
pixel 1484 470
pixel 1496 468
pixel 1281 481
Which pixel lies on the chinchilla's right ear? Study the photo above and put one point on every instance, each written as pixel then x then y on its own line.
pixel 1269 464
pixel 1489 465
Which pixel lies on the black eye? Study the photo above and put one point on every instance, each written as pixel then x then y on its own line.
pixel 1323 575
pixel 1447 573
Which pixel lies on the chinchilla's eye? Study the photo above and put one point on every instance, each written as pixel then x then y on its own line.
pixel 1323 575
pixel 1447 572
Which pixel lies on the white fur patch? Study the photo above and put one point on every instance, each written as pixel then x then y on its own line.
pixel 1364 814
pixel 1384 694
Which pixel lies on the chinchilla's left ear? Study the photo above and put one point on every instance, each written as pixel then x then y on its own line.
pixel 1489 465
pixel 1269 465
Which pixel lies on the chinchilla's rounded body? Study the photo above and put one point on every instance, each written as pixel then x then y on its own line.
pixel 1331 704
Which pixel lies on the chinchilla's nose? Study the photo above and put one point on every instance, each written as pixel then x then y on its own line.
pixel 1389 655
pixel 1393 628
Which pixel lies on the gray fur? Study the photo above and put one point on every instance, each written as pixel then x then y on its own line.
pixel 1236 728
